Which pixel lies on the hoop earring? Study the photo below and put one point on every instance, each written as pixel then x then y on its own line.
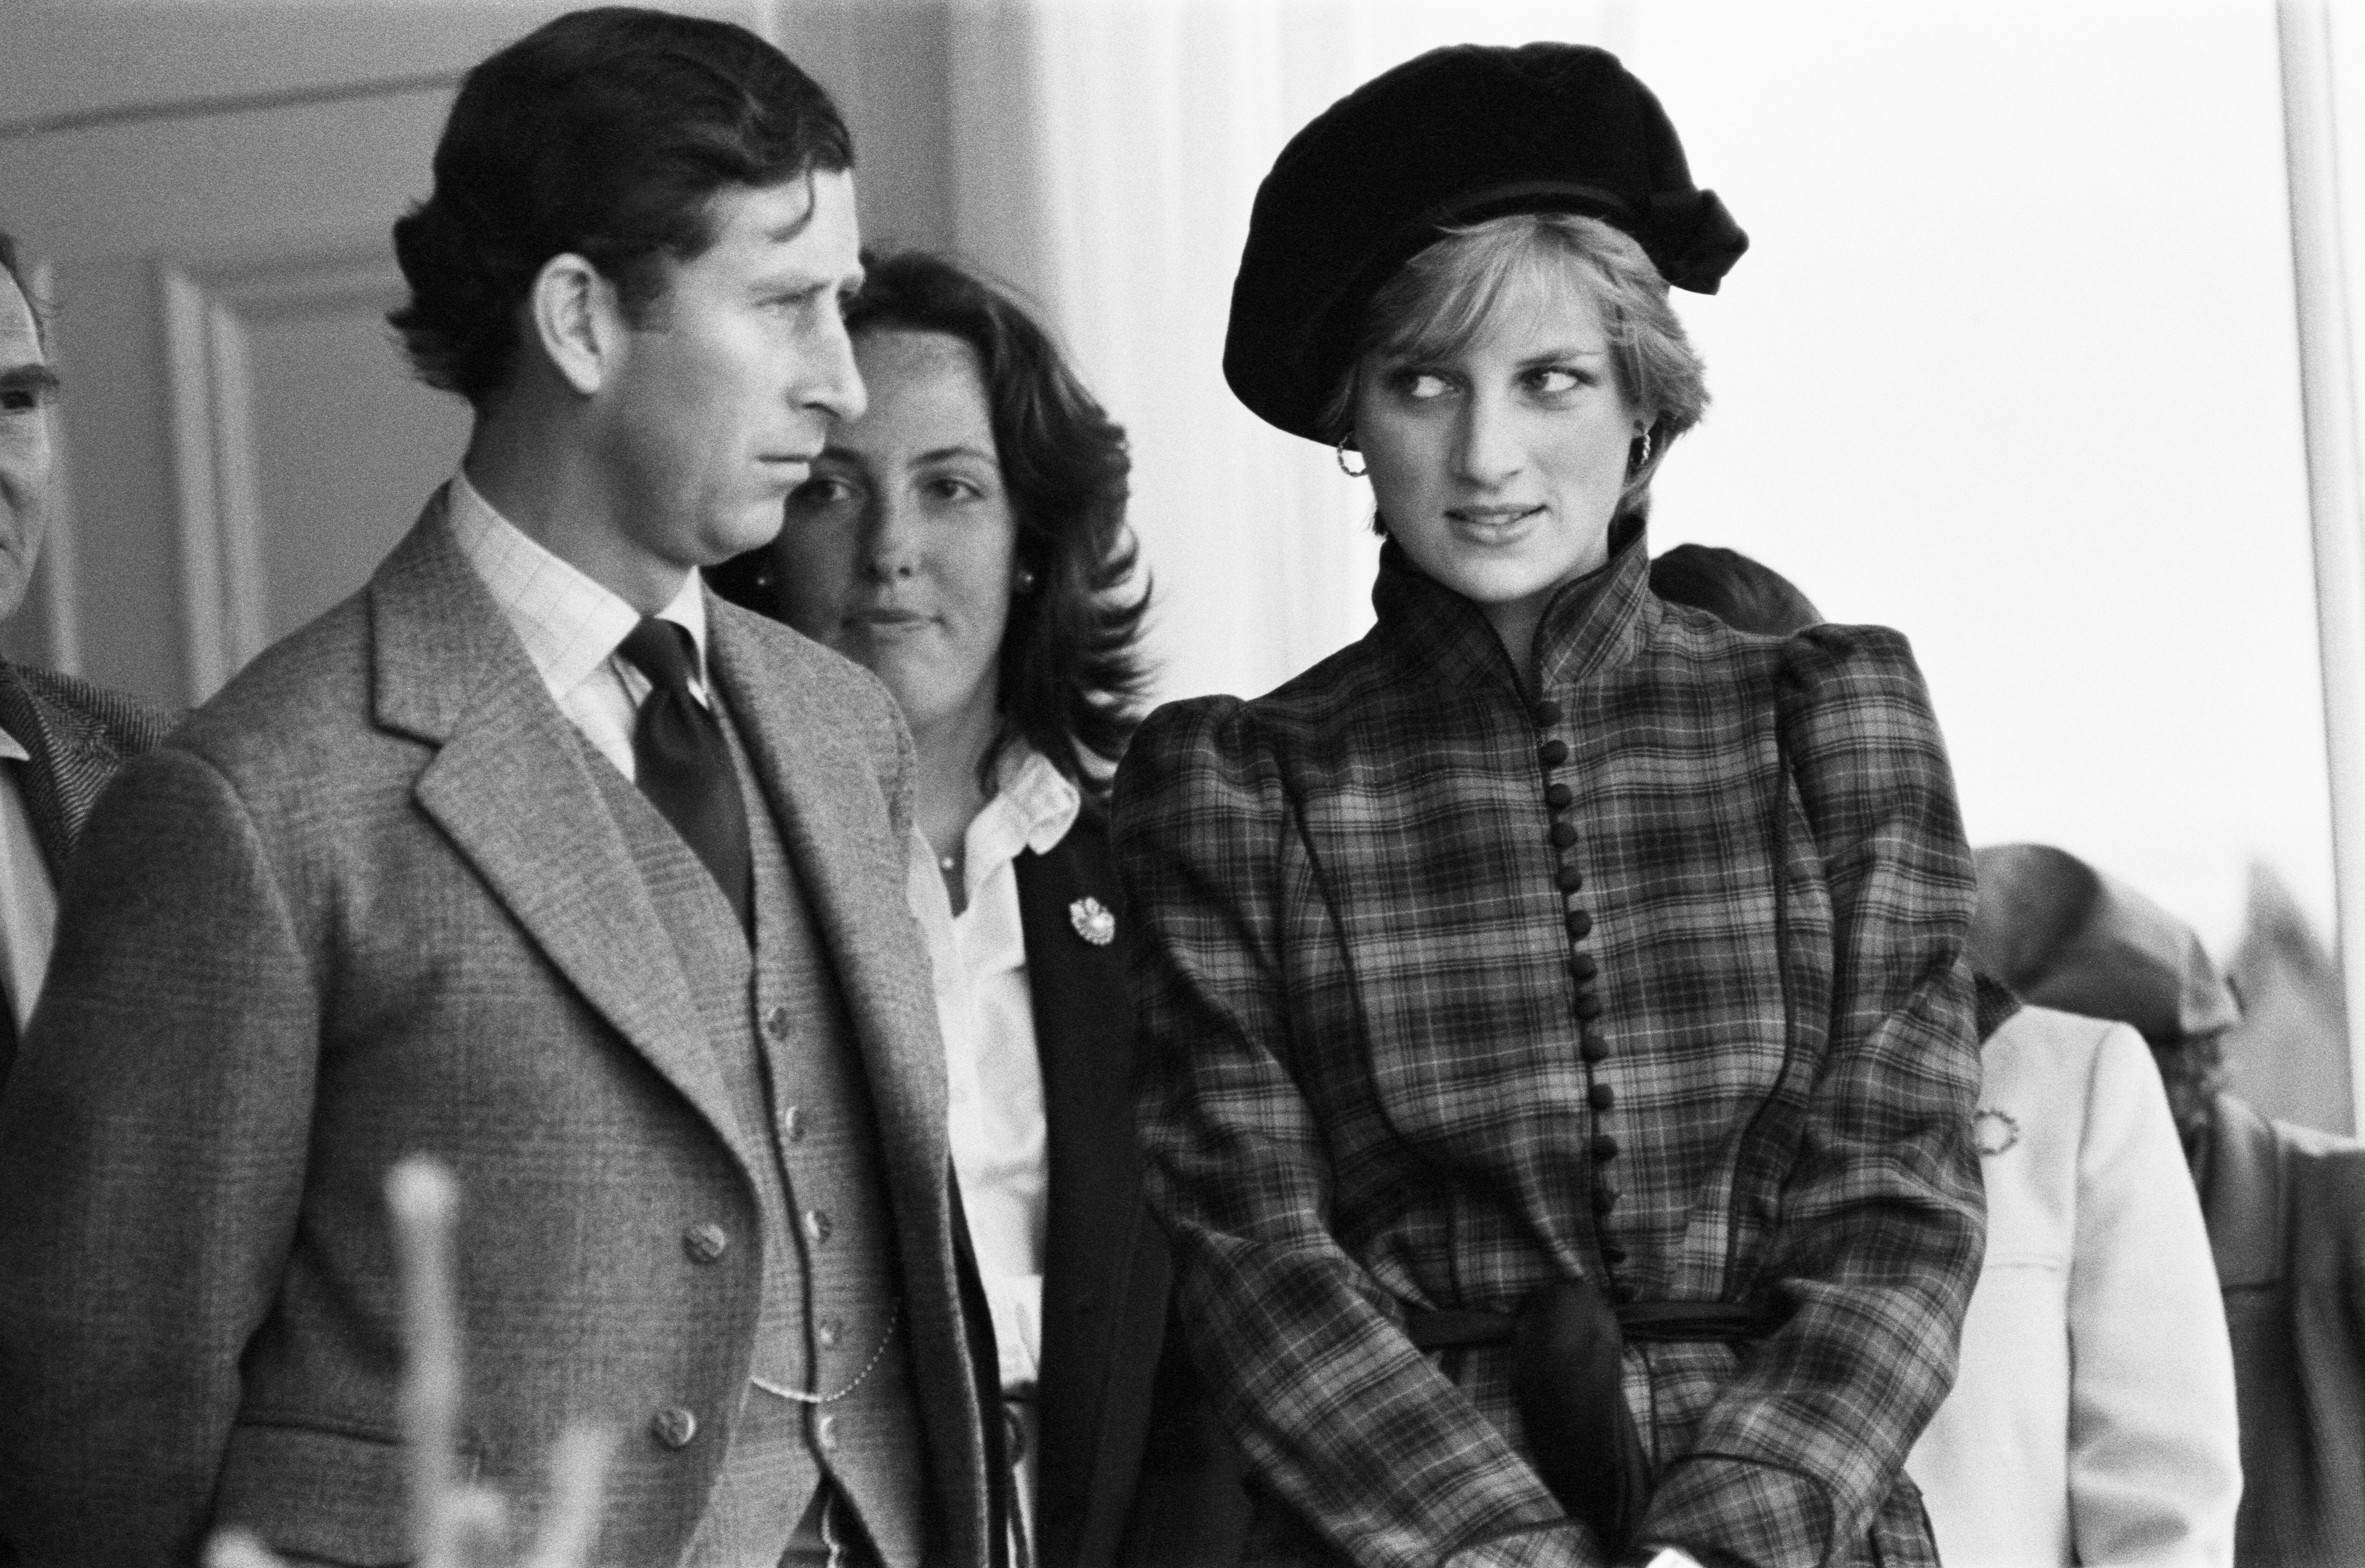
pixel 1350 473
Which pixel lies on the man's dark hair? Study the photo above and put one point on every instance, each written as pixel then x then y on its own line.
pixel 17 275
pixel 1071 669
pixel 605 133
pixel 1746 595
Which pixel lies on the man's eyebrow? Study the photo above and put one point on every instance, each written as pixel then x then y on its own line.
pixel 30 378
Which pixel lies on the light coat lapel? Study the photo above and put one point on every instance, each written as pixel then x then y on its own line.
pixel 508 787
pixel 835 830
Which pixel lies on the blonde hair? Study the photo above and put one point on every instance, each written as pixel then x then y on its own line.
pixel 1439 301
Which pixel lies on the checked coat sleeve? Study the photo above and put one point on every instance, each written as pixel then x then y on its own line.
pixel 1881 1219
pixel 1303 1353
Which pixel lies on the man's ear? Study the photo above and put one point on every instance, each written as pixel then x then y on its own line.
pixel 577 320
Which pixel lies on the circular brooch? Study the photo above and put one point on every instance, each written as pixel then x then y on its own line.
pixel 1092 921
pixel 1994 1131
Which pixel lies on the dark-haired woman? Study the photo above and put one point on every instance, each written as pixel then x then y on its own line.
pixel 1557 1059
pixel 964 540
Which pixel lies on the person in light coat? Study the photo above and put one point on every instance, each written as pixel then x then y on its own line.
pixel 2096 1318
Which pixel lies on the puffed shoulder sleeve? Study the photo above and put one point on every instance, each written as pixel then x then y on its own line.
pixel 1343 1422
pixel 1881 1218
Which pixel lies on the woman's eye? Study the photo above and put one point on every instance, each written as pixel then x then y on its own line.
pixel 952 488
pixel 1421 385
pixel 820 490
pixel 1556 380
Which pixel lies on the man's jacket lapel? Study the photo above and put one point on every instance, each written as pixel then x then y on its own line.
pixel 67 770
pixel 827 801
pixel 509 786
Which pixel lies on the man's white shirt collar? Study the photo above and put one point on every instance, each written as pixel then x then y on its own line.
pixel 570 624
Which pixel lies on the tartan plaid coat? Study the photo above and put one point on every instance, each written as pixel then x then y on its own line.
pixel 1651 976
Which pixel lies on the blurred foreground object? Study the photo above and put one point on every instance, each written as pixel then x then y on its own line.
pixel 455 1524
pixel 2289 1056
pixel 2284 1206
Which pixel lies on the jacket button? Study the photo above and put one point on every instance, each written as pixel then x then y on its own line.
pixel 1562 835
pixel 705 1241
pixel 1559 796
pixel 817 1224
pixel 673 1427
pixel 775 1022
pixel 1552 752
pixel 1546 711
pixel 1602 1096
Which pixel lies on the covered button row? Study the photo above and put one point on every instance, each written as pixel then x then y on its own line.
pixel 1593 1047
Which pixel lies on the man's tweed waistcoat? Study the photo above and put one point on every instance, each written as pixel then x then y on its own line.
pixel 829 1319
pixel 1369 905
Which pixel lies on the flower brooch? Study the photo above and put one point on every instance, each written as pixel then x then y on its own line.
pixel 1092 921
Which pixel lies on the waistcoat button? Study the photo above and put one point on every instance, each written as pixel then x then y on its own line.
pixel 1562 835
pixel 1593 1047
pixel 775 1022
pixel 673 1427
pixel 1605 1148
pixel 1583 967
pixel 1553 753
pixel 817 1224
pixel 1612 1254
pixel 1559 796
pixel 1580 924
pixel 705 1241
pixel 1588 1006
pixel 1570 878
pixel 1546 711
pixel 1623 1294
pixel 1602 1096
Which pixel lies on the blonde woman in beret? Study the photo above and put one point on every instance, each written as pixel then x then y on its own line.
pixel 1555 1056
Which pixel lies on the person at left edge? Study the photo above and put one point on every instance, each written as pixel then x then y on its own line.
pixel 63 737
pixel 534 858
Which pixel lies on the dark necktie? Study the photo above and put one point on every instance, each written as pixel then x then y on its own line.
pixel 683 764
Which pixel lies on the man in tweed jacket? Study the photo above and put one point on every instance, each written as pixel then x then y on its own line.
pixel 441 873
pixel 66 736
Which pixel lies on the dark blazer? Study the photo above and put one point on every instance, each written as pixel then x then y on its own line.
pixel 2286 1212
pixel 1134 1469
pixel 78 735
pixel 368 902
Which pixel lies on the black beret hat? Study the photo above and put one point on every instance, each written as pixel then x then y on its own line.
pixel 1458 135
pixel 2064 935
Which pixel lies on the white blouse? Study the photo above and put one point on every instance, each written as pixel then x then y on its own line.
pixel 994 1079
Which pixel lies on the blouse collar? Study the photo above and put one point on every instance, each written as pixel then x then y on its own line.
pixel 1592 623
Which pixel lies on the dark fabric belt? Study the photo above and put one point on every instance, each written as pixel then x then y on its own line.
pixel 1732 1322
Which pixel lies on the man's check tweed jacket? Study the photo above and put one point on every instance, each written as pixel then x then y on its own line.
pixel 1362 1087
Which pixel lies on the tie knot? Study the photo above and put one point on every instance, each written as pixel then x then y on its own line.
pixel 664 651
